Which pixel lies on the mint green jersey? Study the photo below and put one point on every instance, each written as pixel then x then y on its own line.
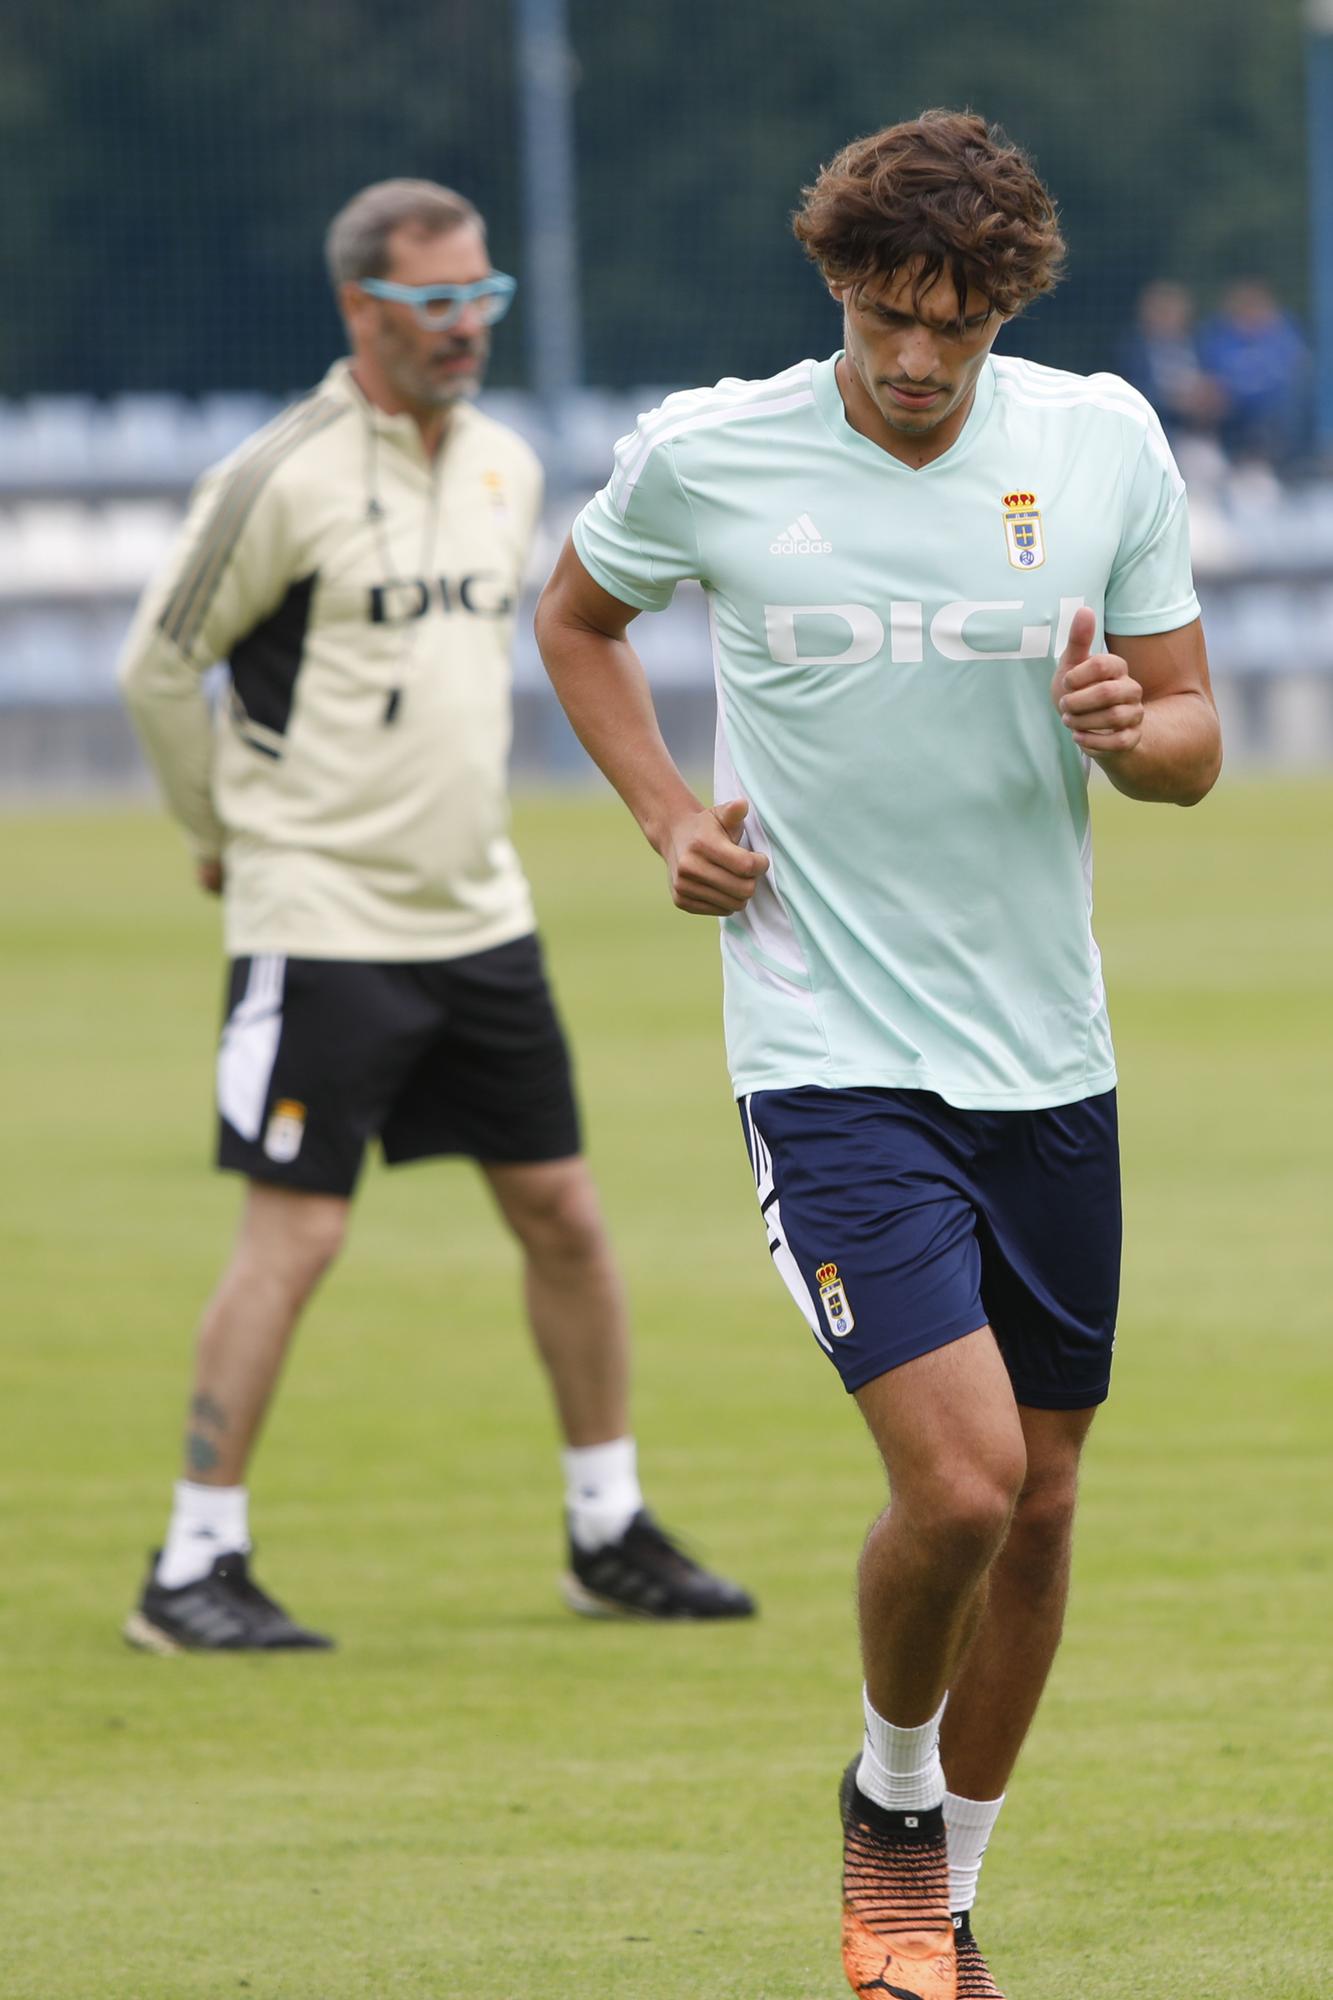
pixel 883 644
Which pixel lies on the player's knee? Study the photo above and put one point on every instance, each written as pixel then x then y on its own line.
pixel 969 1510
pixel 324 1240
pixel 312 1233
pixel 561 1221
pixel 1044 1519
pixel 976 1514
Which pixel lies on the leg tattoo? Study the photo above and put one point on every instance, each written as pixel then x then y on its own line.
pixel 201 1454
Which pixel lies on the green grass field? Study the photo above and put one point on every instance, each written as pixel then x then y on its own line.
pixel 481 1798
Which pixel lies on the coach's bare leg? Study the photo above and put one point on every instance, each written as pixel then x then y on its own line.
pixel 285 1243
pixel 950 1435
pixel 995 1693
pixel 576 1303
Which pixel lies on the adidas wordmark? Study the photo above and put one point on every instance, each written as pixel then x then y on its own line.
pixel 802 538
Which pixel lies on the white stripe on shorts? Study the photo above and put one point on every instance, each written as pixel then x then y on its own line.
pixel 249 1046
pixel 761 1160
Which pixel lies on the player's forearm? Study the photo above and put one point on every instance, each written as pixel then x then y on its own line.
pixel 604 691
pixel 165 698
pixel 1178 755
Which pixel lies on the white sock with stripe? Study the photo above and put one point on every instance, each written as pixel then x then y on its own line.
pixel 206 1522
pixel 970 1823
pixel 900 1769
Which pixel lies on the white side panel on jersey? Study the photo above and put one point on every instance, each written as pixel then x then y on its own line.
pixel 763 925
pixel 1097 995
pixel 764 975
pixel 761 1161
pixel 250 1046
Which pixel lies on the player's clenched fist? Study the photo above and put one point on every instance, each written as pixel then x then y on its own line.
pixel 1099 704
pixel 712 875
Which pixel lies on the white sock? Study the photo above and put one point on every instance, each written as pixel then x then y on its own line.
pixel 969 1823
pixel 602 1493
pixel 900 1768
pixel 206 1522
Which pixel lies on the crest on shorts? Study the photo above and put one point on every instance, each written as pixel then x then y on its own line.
pixel 1023 534
pixel 833 1298
pixel 285 1130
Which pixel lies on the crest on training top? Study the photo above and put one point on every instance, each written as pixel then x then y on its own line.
pixel 1023 534
pixel 833 1298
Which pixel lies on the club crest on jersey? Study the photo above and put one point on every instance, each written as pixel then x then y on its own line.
pixel 1023 531
pixel 833 1298
pixel 286 1129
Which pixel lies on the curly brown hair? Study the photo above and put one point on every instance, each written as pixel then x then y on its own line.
pixel 946 188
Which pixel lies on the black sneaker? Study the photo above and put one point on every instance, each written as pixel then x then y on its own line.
pixel 223 1612
pixel 646 1575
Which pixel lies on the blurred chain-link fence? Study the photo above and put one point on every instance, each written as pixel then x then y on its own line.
pixel 171 169
pixel 172 166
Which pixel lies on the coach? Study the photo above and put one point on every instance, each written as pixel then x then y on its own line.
pixel 357 563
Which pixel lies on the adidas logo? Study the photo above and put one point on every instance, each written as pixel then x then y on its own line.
pixel 802 538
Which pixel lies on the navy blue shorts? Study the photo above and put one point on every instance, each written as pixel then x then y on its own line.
pixel 900 1223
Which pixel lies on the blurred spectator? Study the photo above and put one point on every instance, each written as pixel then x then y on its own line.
pixel 1161 358
pixel 1255 353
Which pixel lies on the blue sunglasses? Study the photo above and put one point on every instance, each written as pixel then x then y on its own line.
pixel 441 306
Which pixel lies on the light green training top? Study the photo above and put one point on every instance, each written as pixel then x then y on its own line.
pixel 883 644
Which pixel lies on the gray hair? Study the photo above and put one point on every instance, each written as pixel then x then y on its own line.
pixel 357 243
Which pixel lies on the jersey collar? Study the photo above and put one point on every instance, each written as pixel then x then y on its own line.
pixel 829 403
pixel 398 427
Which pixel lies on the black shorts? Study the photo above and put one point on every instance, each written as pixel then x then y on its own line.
pixel 900 1223
pixel 461 1055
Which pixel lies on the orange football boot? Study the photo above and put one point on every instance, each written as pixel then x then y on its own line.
pixel 897 1932
pixel 974 1975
